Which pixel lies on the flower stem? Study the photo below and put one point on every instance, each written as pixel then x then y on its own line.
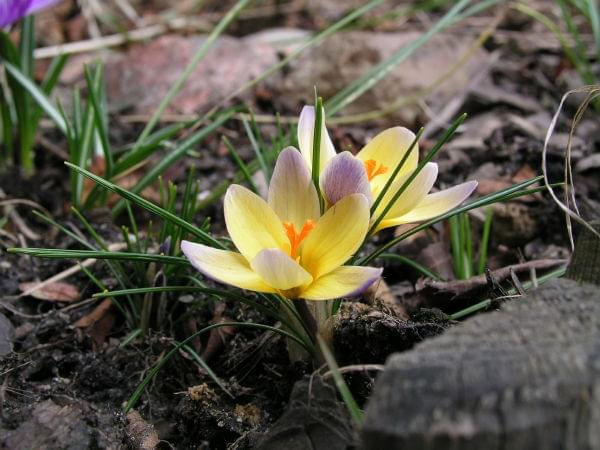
pixel 307 317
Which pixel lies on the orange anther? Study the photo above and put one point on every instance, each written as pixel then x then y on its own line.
pixel 295 237
pixel 374 168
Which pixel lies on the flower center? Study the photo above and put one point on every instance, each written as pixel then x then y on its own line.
pixel 295 237
pixel 374 168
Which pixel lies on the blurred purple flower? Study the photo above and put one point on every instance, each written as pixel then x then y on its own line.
pixel 13 10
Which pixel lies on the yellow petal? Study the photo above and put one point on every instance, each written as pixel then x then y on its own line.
pixel 436 204
pixel 279 270
pixel 292 194
pixel 251 223
pixel 338 234
pixel 224 266
pixel 306 133
pixel 388 148
pixel 345 281
pixel 412 195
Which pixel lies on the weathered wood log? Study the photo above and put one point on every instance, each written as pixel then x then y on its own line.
pixel 524 377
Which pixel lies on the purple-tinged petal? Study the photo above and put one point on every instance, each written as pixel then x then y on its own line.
pixel 12 10
pixel 345 281
pixel 224 266
pixel 344 175
pixel 306 133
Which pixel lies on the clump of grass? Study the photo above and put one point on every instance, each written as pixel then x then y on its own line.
pixel 22 102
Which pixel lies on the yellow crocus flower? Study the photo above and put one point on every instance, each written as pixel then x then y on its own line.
pixel 285 245
pixel 369 171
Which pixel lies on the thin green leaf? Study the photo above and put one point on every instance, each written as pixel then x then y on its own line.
pixel 94 85
pixel 505 194
pixel 340 384
pixel 377 73
pixel 156 368
pixel 485 239
pixel 396 171
pixel 207 369
pixel 316 150
pixel 143 203
pixel 486 303
pixel 200 54
pixel 257 151
pixel 241 164
pixel 98 254
pixel 175 155
pixel 436 148
pixel 312 42
pixel 136 155
pixel 411 263
pixel 38 96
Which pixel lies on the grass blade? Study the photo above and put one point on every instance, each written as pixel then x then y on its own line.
pixel 39 96
pixel 396 171
pixel 411 263
pixel 257 150
pixel 316 150
pixel 200 54
pixel 486 303
pixel 436 148
pixel 312 42
pixel 175 155
pixel 505 194
pixel 99 254
pixel 340 384
pixel 241 164
pixel 485 239
pixel 143 203
pixel 156 368
pixel 377 73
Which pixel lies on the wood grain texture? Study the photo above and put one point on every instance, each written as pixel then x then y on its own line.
pixel 525 377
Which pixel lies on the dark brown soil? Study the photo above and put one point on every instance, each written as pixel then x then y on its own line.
pixel 73 382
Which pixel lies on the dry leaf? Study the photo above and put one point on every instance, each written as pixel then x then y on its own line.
pixel 97 313
pixel 57 291
pixel 98 323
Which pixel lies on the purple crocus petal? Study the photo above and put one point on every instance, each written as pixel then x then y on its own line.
pixel 13 10
pixel 345 281
pixel 344 175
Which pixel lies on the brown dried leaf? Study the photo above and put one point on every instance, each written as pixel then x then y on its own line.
pixel 97 313
pixel 218 336
pixel 57 291
pixel 98 323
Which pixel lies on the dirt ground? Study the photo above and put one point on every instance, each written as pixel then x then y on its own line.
pixel 64 373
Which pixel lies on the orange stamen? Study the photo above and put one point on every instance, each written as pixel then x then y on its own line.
pixel 295 237
pixel 374 168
